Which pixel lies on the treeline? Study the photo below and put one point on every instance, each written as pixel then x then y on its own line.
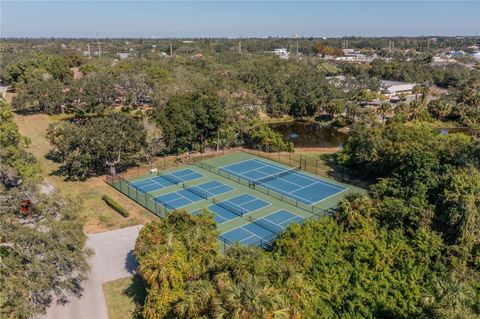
pixel 42 245
pixel 408 249
pixel 261 82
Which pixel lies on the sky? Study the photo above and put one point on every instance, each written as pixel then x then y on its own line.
pixel 227 18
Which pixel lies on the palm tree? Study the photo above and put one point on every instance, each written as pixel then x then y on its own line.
pixel 198 300
pixel 416 90
pixel 255 298
pixel 449 299
pixel 425 90
pixel 384 109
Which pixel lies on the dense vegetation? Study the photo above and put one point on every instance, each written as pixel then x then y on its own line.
pixel 408 249
pixel 42 246
pixel 188 277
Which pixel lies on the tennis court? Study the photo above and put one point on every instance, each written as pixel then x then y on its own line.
pixel 235 207
pixel 165 180
pixel 190 195
pixel 262 231
pixel 209 189
pixel 252 199
pixel 286 181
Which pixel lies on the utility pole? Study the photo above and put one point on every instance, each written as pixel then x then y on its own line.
pixel 88 49
pixel 98 47
pixel 296 38
pixel 171 49
pixel 240 46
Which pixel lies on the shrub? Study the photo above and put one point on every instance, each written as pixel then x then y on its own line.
pixel 116 206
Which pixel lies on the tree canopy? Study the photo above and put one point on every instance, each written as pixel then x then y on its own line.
pixel 89 147
pixel 42 248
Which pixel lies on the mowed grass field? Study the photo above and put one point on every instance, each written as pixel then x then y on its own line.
pixel 97 216
pixel 125 297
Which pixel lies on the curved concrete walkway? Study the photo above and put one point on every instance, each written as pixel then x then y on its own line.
pixel 113 259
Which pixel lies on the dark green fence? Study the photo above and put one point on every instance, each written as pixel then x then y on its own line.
pixel 142 198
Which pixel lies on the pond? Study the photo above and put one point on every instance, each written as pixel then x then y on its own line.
pixel 313 134
pixel 464 130
pixel 309 134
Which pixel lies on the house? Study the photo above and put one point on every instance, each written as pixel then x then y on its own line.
pixel 282 53
pixel 392 89
pixel 123 55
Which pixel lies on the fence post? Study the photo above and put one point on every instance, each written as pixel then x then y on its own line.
pixel 316 167
pixel 290 158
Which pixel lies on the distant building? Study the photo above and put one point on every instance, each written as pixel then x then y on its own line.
pixel 123 55
pixel 350 55
pixel 392 89
pixel 282 53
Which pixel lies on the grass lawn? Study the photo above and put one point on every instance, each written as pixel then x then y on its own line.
pixel 125 297
pixel 96 214
pixel 320 154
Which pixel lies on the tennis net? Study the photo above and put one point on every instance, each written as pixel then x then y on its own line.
pixel 274 176
pixel 268 226
pixel 230 207
pixel 197 191
pixel 171 178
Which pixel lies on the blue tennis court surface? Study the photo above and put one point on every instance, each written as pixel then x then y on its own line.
pixel 177 199
pixel 292 183
pixel 209 189
pixel 235 207
pixel 264 230
pixel 165 180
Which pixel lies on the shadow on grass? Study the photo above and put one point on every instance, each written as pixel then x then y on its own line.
pixel 343 174
pixel 137 292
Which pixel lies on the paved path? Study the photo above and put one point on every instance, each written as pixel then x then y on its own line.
pixel 113 259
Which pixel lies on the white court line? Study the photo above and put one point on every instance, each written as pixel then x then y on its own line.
pixel 253 234
pixel 281 210
pixel 291 218
pixel 193 173
pixel 329 196
pixel 316 180
pixel 284 193
pixel 232 164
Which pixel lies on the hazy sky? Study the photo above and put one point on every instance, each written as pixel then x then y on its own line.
pixel 69 18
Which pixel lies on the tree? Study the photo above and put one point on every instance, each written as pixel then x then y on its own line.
pixel 258 135
pixel 42 248
pixel 458 212
pixel 41 67
pixel 188 277
pixel 417 89
pixel 384 109
pixel 86 149
pixel 334 107
pixel 189 121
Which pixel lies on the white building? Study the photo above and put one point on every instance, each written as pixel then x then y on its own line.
pixel 282 53
pixel 393 88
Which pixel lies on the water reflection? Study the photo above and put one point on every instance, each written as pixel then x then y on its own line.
pixel 309 134
pixel 312 134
